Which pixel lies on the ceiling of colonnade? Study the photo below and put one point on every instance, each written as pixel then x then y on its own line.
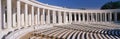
pixel 77 4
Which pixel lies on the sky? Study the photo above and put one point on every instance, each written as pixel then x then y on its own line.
pixel 88 4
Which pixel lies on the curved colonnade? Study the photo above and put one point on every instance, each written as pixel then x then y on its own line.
pixel 21 14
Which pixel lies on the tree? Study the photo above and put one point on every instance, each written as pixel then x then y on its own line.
pixel 111 5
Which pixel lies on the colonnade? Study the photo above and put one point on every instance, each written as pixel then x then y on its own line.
pixel 16 14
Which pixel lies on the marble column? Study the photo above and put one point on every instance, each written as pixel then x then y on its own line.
pixel 75 17
pixel 92 17
pixel 70 17
pixel 26 14
pixel 59 17
pixel 1 16
pixel 101 17
pixel 38 15
pixel 115 17
pixel 43 16
pixel 14 18
pixel 96 17
pixel 65 17
pixel 18 13
pixel 54 17
pixel 105 17
pixel 48 17
pixel 79 17
pixel 110 16
pixel 87 17
pixel 9 14
pixel 32 15
pixel 83 14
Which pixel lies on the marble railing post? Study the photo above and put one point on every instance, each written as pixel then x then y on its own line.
pixel 9 14
pixel 26 14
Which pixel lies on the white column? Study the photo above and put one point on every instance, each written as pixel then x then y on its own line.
pixel 54 17
pixel 65 17
pixel 110 16
pixel 26 14
pixel 87 16
pixel 43 17
pixel 48 17
pixel 92 17
pixel 115 17
pixel 18 13
pixel 70 17
pixel 59 17
pixel 79 17
pixel 32 15
pixel 96 17
pixel 105 17
pixel 1 16
pixel 101 17
pixel 75 19
pixel 9 14
pixel 22 18
pixel 83 14
pixel 14 18
pixel 38 15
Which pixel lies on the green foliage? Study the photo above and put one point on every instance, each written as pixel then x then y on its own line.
pixel 111 5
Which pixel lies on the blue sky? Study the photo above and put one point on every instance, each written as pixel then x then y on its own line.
pixel 88 4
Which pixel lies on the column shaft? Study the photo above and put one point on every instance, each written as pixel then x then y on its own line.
pixel 83 14
pixel 1 16
pixel 79 16
pixel 43 17
pixel 87 16
pixel 110 16
pixel 18 13
pixel 26 14
pixel 96 17
pixel 48 17
pixel 115 17
pixel 75 18
pixel 105 17
pixel 38 14
pixel 54 17
pixel 33 15
pixel 70 17
pixel 59 17
pixel 9 14
pixel 101 17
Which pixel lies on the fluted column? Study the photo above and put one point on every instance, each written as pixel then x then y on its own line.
pixel 79 16
pixel 18 13
pixel 59 17
pixel 48 17
pixel 54 16
pixel 35 17
pixel 32 15
pixel 115 17
pixel 38 15
pixel 22 18
pixel 26 14
pixel 9 14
